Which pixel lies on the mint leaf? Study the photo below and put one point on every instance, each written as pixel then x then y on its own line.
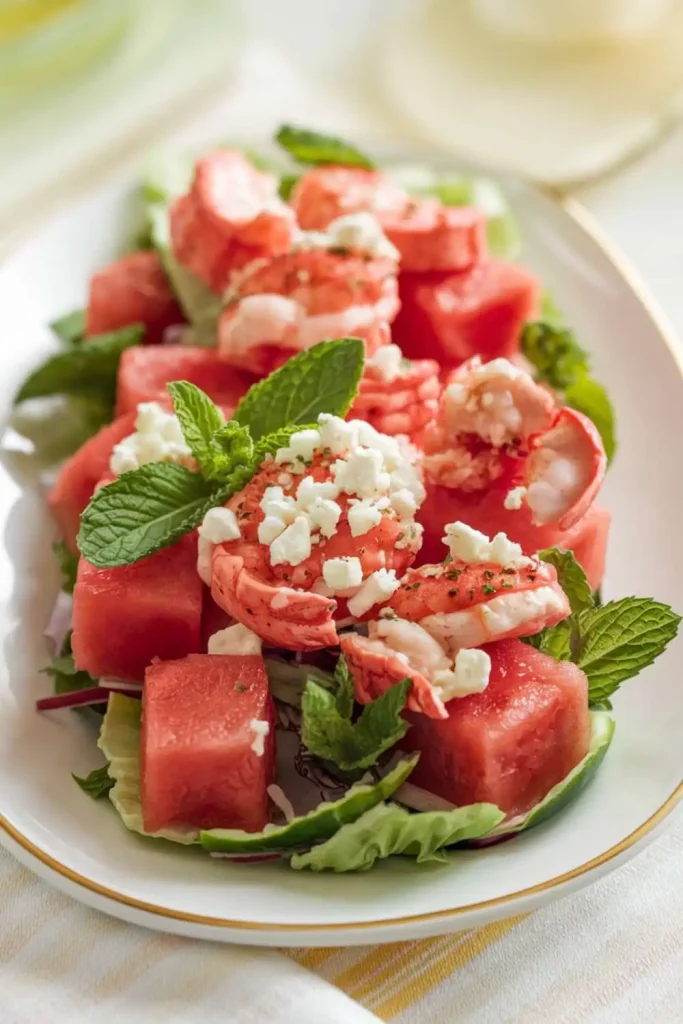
pixel 320 379
pixel 64 674
pixel 143 511
pixel 270 443
pixel 587 396
pixel 620 639
pixel 387 830
pixel 88 367
pixel 571 577
pixel 555 641
pixel 316 826
pixel 68 563
pixel 288 183
pixel 97 783
pixel 309 147
pixel 554 353
pixel 328 734
pixel 199 420
pixel 70 328
pixel 344 696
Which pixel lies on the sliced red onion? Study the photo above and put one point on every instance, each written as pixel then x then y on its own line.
pixel 281 801
pixel 60 621
pixel 79 698
pixel 175 334
pixel 246 858
pixel 121 686
pixel 418 799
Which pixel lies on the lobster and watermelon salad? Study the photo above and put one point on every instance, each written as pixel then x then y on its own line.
pixel 333 545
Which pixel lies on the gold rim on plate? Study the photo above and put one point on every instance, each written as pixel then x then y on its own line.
pixel 580 215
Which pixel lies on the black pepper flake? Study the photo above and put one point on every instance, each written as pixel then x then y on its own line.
pixel 488 589
pixel 471 593
pixel 249 611
pixel 488 575
pixel 240 687
pixel 453 592
pixel 509 571
pixel 531 577
pixel 285 577
pixel 454 574
pixel 416 586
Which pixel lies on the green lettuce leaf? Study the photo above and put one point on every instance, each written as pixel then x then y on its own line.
pixel 143 511
pixel 84 368
pixel 98 783
pixel 315 148
pixel 120 743
pixel 328 732
pixel 320 379
pixel 315 827
pixel 387 830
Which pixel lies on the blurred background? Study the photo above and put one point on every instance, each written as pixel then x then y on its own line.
pixel 569 93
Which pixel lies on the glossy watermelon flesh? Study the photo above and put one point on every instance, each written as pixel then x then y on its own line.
pixel 80 474
pixel 484 511
pixel 134 289
pixel 512 743
pixel 197 762
pixel 451 317
pixel 145 372
pixel 127 616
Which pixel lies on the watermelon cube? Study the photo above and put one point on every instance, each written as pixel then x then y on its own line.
pixel 450 317
pixel 80 474
pixel 145 372
pixel 125 617
pixel 510 744
pixel 134 289
pixel 207 747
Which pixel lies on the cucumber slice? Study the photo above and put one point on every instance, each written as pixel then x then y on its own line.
pixel 315 827
pixel 602 731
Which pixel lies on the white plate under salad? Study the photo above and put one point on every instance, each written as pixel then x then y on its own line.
pixel 80 846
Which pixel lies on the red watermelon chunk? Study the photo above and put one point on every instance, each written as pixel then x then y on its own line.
pixel 200 763
pixel 510 744
pixel 131 290
pixel 450 317
pixel 125 617
pixel 80 474
pixel 145 372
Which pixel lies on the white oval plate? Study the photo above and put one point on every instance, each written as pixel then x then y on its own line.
pixel 81 847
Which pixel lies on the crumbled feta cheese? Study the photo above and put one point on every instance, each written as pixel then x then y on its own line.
pixel 376 589
pixel 403 502
pixel 235 639
pixel 260 730
pixel 324 515
pixel 470 674
pixel 219 526
pixel 468 545
pixel 410 536
pixel 389 447
pixel 309 489
pixel 276 503
pixel 284 479
pixel 514 499
pixel 157 438
pixel 362 473
pixel 342 573
pixel 270 528
pixel 301 447
pixel 293 546
pixel 336 434
pixel 365 515
pixel 361 233
pixel 387 362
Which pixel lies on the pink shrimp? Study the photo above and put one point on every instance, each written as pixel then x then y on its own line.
pixel 231 216
pixel 290 604
pixel 398 396
pixel 325 193
pixel 280 306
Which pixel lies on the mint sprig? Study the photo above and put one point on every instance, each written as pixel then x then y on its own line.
pixel 571 577
pixel 560 362
pixel 70 328
pixel 321 379
pixel 97 784
pixel 221 449
pixel 328 731
pixel 143 511
pixel 87 368
pixel 315 148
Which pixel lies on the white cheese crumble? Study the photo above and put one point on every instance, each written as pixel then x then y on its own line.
pixel 342 574
pixel 376 589
pixel 337 434
pixel 362 473
pixel 365 514
pixel 324 515
pixel 386 363
pixel 300 450
pixel 403 502
pixel 218 527
pixel 235 639
pixel 470 674
pixel 468 545
pixel 260 730
pixel 157 438
pixel 514 499
pixel 293 546
pixel 360 233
